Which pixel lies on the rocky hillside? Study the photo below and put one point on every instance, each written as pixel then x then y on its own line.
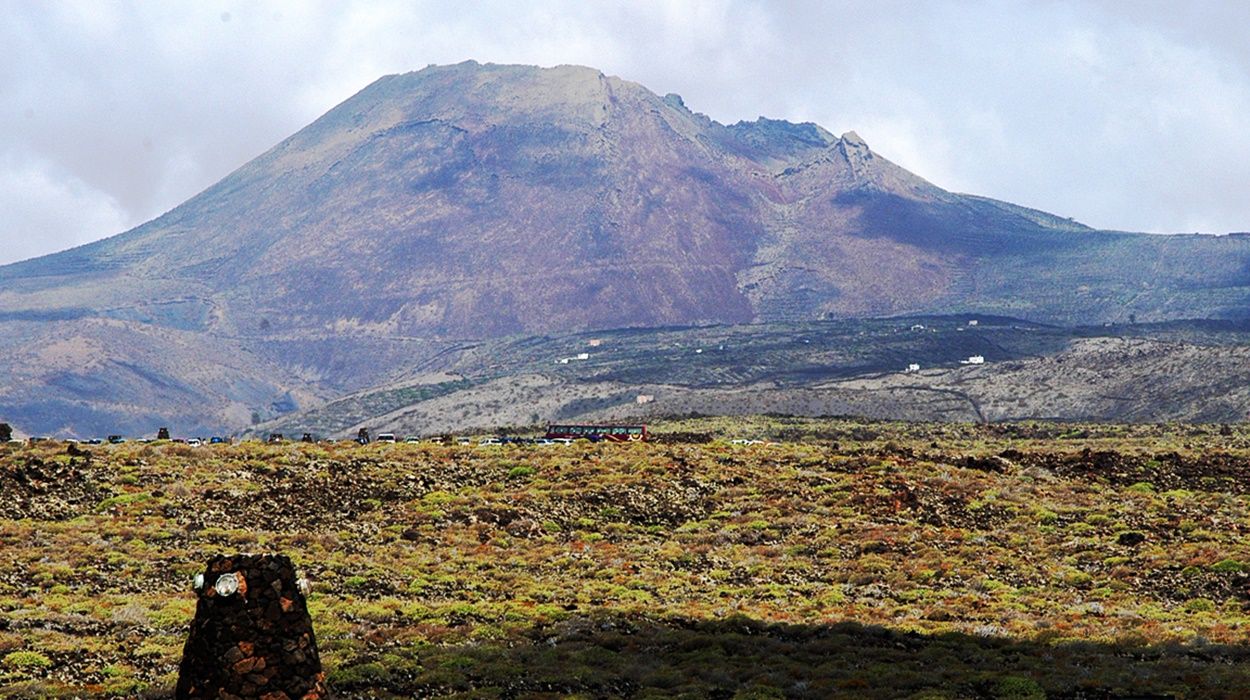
pixel 474 202
pixel 1190 372
pixel 849 560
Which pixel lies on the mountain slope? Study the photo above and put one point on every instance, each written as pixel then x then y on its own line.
pixel 472 202
pixel 1180 371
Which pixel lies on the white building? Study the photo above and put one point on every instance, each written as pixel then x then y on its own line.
pixel 913 368
pixel 974 360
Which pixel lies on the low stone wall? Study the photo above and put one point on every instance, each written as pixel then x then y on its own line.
pixel 252 636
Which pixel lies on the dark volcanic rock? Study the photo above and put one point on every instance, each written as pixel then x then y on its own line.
pixel 252 636
pixel 1130 539
pixel 47 489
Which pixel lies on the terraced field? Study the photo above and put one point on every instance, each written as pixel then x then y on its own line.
pixel 845 560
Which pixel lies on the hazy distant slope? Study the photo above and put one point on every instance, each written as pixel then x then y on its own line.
pixel 473 202
pixel 97 377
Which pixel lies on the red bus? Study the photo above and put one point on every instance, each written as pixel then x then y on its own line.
pixel 594 433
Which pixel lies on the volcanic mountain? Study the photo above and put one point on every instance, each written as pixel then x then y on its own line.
pixel 472 202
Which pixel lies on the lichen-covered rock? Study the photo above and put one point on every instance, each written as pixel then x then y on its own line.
pixel 48 489
pixel 252 636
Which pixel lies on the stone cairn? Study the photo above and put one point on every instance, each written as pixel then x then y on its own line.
pixel 252 636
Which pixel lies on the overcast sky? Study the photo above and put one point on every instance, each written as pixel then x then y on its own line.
pixel 1131 115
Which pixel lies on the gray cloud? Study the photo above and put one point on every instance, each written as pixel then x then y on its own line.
pixel 1122 115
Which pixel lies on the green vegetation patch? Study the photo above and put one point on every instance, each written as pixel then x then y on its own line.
pixel 848 559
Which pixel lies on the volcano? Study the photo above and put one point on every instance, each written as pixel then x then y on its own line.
pixel 473 202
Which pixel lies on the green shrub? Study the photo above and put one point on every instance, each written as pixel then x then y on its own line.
pixel 1200 605
pixel 122 500
pixel 1017 688
pixel 26 659
pixel 359 675
pixel 1077 578
pixel 124 687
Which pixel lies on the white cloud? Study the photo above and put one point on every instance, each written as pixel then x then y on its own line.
pixel 52 208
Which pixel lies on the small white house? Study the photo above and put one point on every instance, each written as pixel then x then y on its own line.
pixel 562 361
pixel 913 368
pixel 973 322
pixel 644 398
pixel 974 360
pixel 583 356
pixel 918 327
